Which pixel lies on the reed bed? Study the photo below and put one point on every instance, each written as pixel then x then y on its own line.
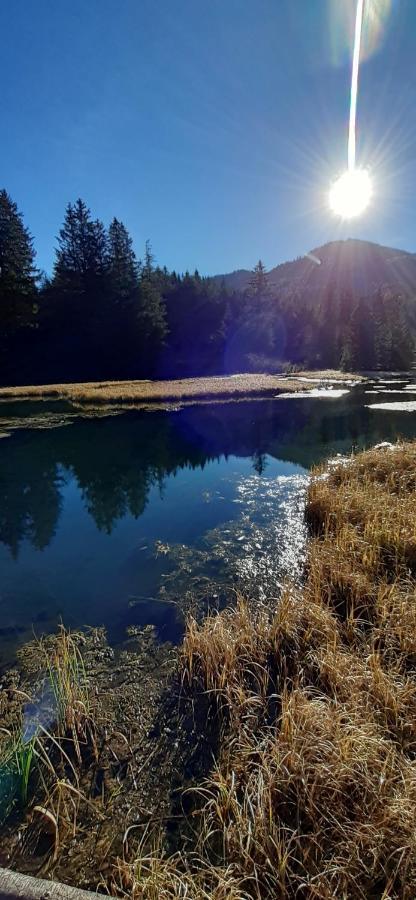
pixel 205 388
pixel 314 790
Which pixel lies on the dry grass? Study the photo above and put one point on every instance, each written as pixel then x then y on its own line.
pixel 66 673
pixel 314 791
pixel 45 753
pixel 244 385
pixel 156 876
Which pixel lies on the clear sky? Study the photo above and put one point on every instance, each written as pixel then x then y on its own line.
pixel 212 127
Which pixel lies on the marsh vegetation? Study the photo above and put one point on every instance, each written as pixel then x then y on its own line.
pixel 291 723
pixel 185 389
pixel 315 784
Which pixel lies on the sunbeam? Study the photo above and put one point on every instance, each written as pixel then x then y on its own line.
pixel 350 194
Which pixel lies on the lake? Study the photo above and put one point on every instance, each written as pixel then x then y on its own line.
pixel 134 519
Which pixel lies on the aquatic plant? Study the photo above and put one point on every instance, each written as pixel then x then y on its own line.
pixel 53 731
pixel 24 757
pixel 68 681
pixel 17 757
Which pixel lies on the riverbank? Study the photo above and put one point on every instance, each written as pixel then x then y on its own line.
pixel 186 389
pixel 307 706
pixel 314 791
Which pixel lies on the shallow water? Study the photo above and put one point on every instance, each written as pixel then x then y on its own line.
pixel 132 519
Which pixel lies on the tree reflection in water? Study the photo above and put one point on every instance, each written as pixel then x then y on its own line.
pixel 115 461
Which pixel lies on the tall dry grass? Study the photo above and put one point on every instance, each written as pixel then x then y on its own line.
pixel 314 791
pixel 204 388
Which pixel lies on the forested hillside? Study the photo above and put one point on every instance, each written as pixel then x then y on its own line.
pixel 360 266
pixel 105 314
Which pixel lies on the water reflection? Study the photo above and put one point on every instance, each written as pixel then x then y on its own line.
pixel 116 461
pixel 118 520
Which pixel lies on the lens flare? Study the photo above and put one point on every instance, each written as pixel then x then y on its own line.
pixel 351 193
pixel 354 83
pixel 341 19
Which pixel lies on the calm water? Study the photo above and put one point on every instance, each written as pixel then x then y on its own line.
pixel 125 520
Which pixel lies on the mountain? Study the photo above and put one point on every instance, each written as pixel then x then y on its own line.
pixel 351 265
pixel 348 304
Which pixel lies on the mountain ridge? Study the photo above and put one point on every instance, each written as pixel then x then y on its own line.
pixel 351 264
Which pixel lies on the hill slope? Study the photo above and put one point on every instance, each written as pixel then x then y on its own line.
pixel 351 265
pixel 349 303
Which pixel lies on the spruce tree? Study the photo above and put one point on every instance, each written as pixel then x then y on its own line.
pixel 81 255
pixel 123 269
pixel 148 265
pixel 259 319
pixel 151 311
pixel 119 326
pixel 259 282
pixel 77 299
pixel 17 267
pixel 151 315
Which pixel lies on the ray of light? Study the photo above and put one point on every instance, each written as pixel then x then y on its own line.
pixel 350 194
pixel 341 18
pixel 354 84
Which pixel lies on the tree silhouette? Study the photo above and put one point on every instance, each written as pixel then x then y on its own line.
pixel 17 268
pixel 81 254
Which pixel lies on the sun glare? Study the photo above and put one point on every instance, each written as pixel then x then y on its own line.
pixel 351 193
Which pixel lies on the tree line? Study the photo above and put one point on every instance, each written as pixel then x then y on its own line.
pixel 105 314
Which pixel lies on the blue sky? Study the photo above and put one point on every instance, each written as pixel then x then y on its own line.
pixel 212 127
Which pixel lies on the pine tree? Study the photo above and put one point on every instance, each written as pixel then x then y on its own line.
pixel 117 328
pixel 123 269
pixel 76 304
pixel 81 255
pixel 148 265
pixel 258 320
pixel 151 309
pixel 151 315
pixel 259 282
pixel 17 267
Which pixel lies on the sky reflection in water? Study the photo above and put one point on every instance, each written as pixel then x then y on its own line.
pixel 116 520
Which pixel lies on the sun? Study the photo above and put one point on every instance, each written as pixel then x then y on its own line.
pixel 351 193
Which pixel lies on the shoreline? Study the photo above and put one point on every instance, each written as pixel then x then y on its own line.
pixel 314 785
pixel 308 698
pixel 186 389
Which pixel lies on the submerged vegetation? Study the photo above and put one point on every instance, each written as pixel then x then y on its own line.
pixel 308 787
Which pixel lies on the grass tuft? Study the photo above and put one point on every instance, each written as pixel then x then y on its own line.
pixel 314 789
pixel 41 761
